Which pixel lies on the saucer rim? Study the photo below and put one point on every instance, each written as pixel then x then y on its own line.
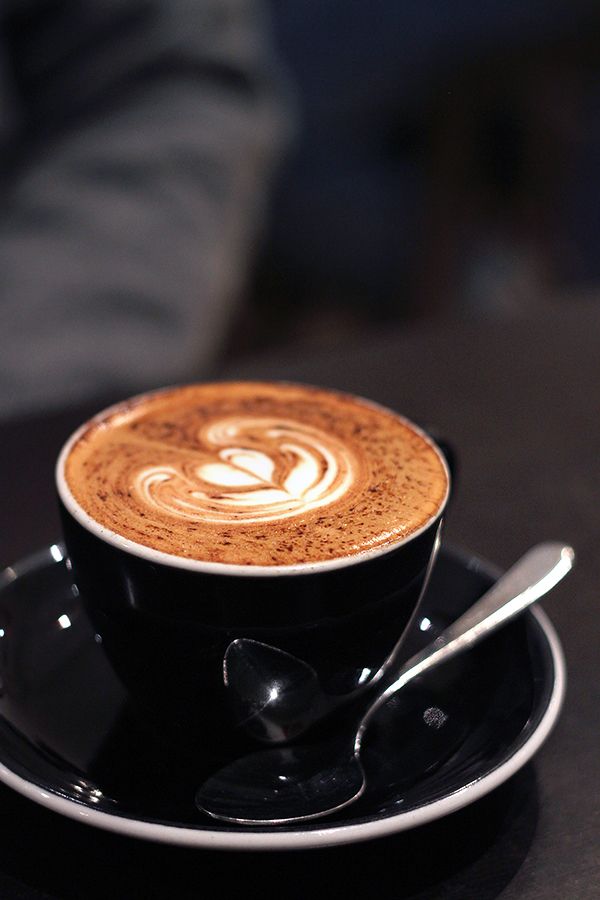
pixel 251 839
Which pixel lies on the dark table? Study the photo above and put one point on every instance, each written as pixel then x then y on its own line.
pixel 521 403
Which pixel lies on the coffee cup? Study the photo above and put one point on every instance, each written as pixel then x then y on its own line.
pixel 197 517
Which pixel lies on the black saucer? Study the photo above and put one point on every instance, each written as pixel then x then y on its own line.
pixel 70 740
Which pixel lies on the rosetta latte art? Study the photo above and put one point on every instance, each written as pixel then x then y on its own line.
pixel 253 470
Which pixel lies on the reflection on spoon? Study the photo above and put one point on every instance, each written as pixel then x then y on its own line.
pixel 275 696
pixel 299 783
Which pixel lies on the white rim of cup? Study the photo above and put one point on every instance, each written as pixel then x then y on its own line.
pixel 217 568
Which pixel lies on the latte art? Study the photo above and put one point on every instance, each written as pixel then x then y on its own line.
pixel 255 474
pixel 262 470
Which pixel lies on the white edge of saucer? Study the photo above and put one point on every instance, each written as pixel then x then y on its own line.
pixel 329 835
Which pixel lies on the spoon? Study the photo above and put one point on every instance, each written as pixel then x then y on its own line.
pixel 307 781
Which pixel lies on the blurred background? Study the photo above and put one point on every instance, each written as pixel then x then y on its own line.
pixel 189 185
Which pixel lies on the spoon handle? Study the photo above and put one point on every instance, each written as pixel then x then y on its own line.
pixel 537 572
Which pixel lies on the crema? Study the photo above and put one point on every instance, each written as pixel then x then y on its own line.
pixel 256 473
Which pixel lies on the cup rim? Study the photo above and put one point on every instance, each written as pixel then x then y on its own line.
pixel 159 557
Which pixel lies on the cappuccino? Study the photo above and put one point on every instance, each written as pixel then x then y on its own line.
pixel 256 474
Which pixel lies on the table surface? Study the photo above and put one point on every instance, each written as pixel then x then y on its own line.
pixel 520 401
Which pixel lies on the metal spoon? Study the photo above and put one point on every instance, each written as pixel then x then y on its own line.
pixel 303 782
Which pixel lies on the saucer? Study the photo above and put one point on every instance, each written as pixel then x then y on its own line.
pixel 70 741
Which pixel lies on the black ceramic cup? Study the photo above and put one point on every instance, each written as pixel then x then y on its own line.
pixel 165 622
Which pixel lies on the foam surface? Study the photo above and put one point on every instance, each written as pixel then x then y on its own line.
pixel 256 474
